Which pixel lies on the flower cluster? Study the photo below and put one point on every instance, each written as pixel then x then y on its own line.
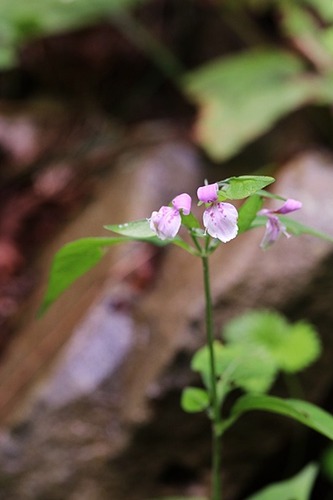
pixel 219 218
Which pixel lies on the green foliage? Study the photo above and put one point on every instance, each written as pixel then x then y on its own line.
pixel 299 410
pixel 327 462
pixel 298 487
pixel 237 188
pixel 293 227
pixel 241 97
pixel 248 211
pixel 258 345
pixel 236 366
pixel 72 261
pixel 291 347
pixel 22 20
pixel 194 399
pixel 139 229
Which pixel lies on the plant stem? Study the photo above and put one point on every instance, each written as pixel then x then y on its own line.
pixel 161 56
pixel 216 441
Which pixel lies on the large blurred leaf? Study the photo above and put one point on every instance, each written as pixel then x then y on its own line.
pixel 24 19
pixel 292 347
pixel 298 487
pixel 71 262
pixel 242 96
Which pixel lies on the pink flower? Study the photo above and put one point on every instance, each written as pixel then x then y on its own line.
pixel 167 221
pixel 274 227
pixel 219 219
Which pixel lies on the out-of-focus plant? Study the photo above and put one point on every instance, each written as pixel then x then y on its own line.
pixel 21 21
pixel 241 96
pixel 258 345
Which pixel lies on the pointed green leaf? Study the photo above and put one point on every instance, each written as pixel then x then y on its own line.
pixel 301 411
pixel 248 212
pixel 293 227
pixel 194 399
pixel 296 228
pixel 72 261
pixel 298 487
pixel 237 188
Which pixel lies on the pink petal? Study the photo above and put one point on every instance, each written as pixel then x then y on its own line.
pixel 208 193
pixel 289 206
pixel 165 223
pixel 274 228
pixel 183 202
pixel 220 221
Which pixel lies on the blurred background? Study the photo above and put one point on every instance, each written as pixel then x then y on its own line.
pixel 108 109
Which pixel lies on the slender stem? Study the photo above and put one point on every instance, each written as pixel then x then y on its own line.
pixel 216 441
pixel 161 56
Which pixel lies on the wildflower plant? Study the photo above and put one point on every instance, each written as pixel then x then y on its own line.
pixel 257 346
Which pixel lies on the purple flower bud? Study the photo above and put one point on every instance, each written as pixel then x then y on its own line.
pixel 208 194
pixel 182 202
pixel 167 221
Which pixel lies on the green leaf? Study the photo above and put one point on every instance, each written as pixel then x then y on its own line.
pixel 327 462
pixel 252 370
pixel 293 227
pixel 190 221
pixel 298 487
pixel 248 212
pixel 138 229
pixel 301 411
pixel 292 347
pixel 296 228
pixel 72 261
pixel 242 96
pixel 194 399
pixel 237 188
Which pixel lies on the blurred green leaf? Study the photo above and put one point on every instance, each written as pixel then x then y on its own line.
pixel 252 370
pixel 327 462
pixel 292 347
pixel 237 188
pixel 22 20
pixel 240 97
pixel 298 487
pixel 301 411
pixel 248 212
pixel 194 399
pixel 72 261
pixel 58 15
pixel 293 227
pixel 322 7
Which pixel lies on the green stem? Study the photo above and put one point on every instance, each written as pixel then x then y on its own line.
pixel 161 56
pixel 216 441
